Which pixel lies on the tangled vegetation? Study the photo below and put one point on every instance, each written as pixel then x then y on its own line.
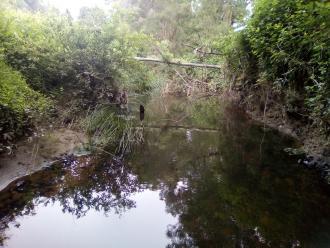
pixel 45 54
pixel 19 103
pixel 282 47
pixel 285 47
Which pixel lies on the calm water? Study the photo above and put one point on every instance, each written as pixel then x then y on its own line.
pixel 201 175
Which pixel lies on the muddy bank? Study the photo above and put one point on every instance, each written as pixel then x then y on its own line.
pixel 312 140
pixel 34 153
pixel 313 151
pixel 269 109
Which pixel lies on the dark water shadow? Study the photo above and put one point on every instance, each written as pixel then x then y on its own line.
pixel 207 164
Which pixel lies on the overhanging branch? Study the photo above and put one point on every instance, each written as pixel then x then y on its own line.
pixel 178 63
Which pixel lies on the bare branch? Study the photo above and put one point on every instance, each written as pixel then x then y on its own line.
pixel 178 63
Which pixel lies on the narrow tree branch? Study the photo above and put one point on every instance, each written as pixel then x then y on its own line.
pixel 178 63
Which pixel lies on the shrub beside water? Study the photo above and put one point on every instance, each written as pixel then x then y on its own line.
pixel 291 42
pixel 287 46
pixel 19 104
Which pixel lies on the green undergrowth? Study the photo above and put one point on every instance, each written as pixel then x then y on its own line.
pixel 20 105
pixel 285 50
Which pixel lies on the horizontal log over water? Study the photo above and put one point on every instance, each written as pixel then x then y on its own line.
pixel 178 63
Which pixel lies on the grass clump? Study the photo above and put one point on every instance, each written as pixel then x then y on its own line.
pixel 107 130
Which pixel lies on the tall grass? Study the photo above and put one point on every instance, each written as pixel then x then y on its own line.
pixel 109 131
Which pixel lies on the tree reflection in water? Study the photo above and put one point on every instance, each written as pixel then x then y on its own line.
pixel 229 183
pixel 79 184
pixel 234 188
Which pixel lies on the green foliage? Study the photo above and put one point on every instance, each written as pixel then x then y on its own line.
pixel 238 62
pixel 108 49
pixel 32 44
pixel 19 104
pixel 16 94
pixel 290 40
pixel 49 52
pixel 51 49
pixel 187 22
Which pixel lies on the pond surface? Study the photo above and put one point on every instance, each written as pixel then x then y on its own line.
pixel 201 175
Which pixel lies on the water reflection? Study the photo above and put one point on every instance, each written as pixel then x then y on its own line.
pixel 53 229
pixel 77 184
pixel 226 180
pixel 234 187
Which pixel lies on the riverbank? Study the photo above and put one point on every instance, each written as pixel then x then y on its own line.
pixel 311 138
pixel 270 111
pixel 314 150
pixel 41 150
pixel 37 152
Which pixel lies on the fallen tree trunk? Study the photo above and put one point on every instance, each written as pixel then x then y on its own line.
pixel 178 63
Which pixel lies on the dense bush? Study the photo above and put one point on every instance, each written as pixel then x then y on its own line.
pixel 32 44
pixel 51 50
pixel 290 40
pixel 19 104
pixel 44 51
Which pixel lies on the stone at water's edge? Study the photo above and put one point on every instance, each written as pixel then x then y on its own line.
pixel 318 163
pixel 295 151
pixel 41 151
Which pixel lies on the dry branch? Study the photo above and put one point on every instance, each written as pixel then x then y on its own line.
pixel 178 63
